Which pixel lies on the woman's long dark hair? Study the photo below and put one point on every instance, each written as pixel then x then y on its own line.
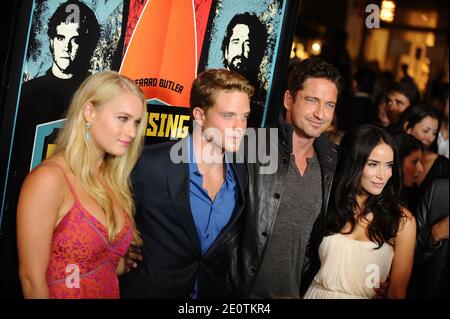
pixel 387 212
pixel 415 114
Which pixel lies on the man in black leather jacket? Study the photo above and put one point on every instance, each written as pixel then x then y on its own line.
pixel 286 209
pixel 431 266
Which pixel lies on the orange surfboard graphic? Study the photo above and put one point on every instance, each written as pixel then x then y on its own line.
pixel 162 54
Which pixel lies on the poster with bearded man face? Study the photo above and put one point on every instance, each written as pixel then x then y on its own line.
pixel 243 38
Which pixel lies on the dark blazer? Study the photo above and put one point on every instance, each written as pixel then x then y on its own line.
pixel 171 249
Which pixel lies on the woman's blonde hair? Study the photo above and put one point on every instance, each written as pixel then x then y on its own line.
pixel 97 90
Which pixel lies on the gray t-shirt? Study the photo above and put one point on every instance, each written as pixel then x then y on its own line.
pixel 280 273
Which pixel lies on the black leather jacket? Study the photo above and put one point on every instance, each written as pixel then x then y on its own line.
pixel 263 199
pixel 431 265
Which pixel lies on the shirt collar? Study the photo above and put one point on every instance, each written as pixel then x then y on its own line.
pixel 193 167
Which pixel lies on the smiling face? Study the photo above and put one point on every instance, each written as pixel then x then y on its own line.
pixel 425 130
pixel 114 124
pixel 378 170
pixel 312 109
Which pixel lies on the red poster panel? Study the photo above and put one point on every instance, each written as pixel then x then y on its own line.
pixel 162 54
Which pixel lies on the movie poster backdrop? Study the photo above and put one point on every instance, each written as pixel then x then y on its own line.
pixel 160 44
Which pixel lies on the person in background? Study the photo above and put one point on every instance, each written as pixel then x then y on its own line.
pixel 399 97
pixel 442 139
pixel 361 110
pixel 382 119
pixel 406 77
pixel 423 123
pixel 411 153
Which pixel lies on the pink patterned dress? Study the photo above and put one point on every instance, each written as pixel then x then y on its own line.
pixel 83 262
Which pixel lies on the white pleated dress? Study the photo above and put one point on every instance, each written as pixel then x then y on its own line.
pixel 350 269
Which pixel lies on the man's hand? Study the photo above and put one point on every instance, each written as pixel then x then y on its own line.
pixel 382 291
pixel 132 257
pixel 439 231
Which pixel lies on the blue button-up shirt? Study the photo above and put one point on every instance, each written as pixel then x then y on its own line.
pixel 210 217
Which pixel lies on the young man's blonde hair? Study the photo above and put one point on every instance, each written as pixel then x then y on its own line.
pixel 97 90
pixel 209 83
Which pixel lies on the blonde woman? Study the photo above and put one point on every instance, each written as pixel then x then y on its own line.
pixel 75 211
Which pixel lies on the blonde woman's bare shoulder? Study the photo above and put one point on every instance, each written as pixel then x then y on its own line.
pixel 42 196
pixel 45 178
pixel 56 159
pixel 41 201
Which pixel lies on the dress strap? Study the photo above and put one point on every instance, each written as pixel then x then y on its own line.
pixel 71 189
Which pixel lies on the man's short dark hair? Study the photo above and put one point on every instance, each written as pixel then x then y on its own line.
pixel 408 89
pixel 88 29
pixel 316 68
pixel 257 35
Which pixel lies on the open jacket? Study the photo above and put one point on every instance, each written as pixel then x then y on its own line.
pixel 263 200
pixel 173 260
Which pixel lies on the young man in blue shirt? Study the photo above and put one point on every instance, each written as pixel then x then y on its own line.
pixel 190 197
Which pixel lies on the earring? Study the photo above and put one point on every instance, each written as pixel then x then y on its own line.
pixel 88 136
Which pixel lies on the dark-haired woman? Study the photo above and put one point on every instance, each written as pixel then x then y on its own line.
pixel 410 152
pixel 423 123
pixel 370 236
